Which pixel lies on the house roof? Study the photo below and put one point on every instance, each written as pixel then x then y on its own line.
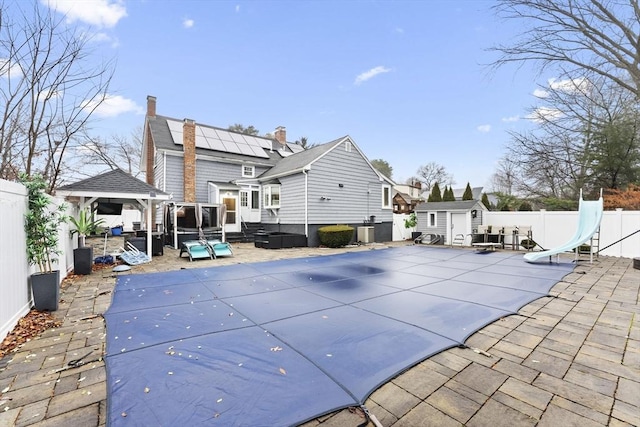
pixel 217 142
pixel 297 162
pixel 303 160
pixel 115 184
pixel 460 205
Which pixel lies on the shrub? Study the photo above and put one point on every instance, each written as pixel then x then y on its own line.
pixel 335 236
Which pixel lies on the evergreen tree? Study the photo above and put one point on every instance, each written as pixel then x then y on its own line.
pixel 448 195
pixel 468 194
pixel 485 201
pixel 436 195
pixel 525 206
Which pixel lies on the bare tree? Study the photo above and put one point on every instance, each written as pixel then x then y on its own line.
pixel 505 177
pixel 599 37
pixel 586 137
pixel 432 173
pixel 49 88
pixel 119 152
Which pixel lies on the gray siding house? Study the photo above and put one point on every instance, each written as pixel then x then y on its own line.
pixel 265 183
pixel 449 219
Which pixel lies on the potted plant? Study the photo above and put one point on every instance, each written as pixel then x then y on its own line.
pixel 84 225
pixel 41 226
pixel 411 222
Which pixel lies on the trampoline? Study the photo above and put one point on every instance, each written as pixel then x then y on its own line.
pixel 283 342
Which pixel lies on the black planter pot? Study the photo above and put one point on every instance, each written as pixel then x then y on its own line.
pixel 46 290
pixel 83 260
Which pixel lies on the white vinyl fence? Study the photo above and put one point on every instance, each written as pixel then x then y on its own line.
pixel 551 228
pixel 400 232
pixel 14 292
pixel 15 295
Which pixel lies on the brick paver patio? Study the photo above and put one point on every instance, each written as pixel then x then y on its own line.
pixel 569 359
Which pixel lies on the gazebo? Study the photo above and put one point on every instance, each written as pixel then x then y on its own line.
pixel 116 187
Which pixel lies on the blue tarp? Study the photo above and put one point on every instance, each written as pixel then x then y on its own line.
pixel 282 342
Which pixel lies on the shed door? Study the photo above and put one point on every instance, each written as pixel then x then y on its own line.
pixel 458 226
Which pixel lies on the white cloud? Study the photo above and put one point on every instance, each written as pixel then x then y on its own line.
pixel 484 128
pixel 511 119
pixel 399 30
pixel 237 8
pixel 569 85
pixel 363 77
pixel 10 69
pixel 102 13
pixel 187 23
pixel 102 37
pixel 542 114
pixel 112 106
pixel 540 93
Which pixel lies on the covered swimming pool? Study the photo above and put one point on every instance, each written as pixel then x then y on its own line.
pixel 283 342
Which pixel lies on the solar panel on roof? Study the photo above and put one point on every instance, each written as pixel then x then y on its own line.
pixel 295 148
pixel 209 133
pixel 252 141
pixel 231 147
pixel 223 135
pixel 175 125
pixel 216 144
pixel 237 138
pixel 202 142
pixel 264 143
pixel 221 140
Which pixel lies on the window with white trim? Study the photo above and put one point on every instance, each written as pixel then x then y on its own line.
pixel 386 197
pixel 248 171
pixel 271 195
pixel 244 199
pixel 432 219
pixel 347 146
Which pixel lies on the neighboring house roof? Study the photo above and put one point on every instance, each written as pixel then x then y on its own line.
pixel 407 198
pixel 461 205
pixel 476 191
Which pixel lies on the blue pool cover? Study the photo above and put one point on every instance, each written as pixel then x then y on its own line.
pixel 282 342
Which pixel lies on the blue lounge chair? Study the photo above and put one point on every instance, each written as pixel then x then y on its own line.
pixel 198 249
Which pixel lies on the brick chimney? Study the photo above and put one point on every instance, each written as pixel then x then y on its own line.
pixel 151 106
pixel 189 146
pixel 151 112
pixel 281 135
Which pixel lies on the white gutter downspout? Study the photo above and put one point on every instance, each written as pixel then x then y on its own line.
pixel 306 203
pixel 164 171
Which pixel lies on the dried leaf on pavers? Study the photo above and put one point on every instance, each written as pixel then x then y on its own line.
pixel 30 326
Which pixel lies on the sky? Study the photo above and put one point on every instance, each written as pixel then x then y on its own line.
pixel 408 80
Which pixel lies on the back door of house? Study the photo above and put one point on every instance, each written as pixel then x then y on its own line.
pixel 250 205
pixel 232 224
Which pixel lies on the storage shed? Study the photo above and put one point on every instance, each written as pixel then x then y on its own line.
pixel 449 219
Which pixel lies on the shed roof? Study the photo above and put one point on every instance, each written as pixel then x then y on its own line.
pixel 460 205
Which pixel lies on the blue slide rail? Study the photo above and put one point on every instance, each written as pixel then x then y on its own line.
pixel 589 218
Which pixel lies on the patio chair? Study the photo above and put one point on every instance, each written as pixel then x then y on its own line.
pixel 198 249
pixel 133 256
